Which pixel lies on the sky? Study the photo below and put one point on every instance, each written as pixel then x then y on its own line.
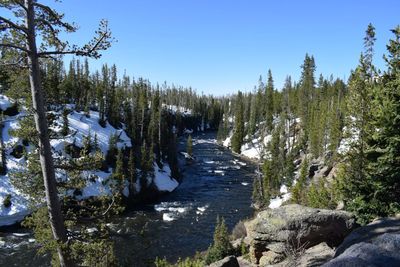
pixel 222 46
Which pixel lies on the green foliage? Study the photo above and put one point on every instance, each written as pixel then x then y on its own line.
pixel 373 172
pixel 65 125
pixel 7 201
pixel 298 190
pixel 221 246
pixel 238 132
pixel 320 195
pixel 112 152
pixel 85 248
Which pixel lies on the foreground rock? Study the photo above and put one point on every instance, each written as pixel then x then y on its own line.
pixel 274 234
pixel 229 261
pixel 377 244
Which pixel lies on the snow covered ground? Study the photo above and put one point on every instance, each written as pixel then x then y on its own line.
pixel 80 126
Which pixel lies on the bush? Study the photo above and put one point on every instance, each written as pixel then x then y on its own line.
pixel 239 231
pixel 7 201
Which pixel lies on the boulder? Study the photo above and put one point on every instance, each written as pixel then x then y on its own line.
pixel 229 261
pixel 316 256
pixel 377 244
pixel 296 227
pixel 270 257
pixel 370 232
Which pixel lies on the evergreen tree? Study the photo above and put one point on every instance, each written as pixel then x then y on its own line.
pixel 238 133
pixel 132 172
pixel 269 94
pixel 65 126
pixel 221 246
pixel 298 190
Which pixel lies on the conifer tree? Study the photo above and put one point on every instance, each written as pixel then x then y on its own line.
pixel 65 126
pixel 132 172
pixel 41 27
pixel 221 246
pixel 269 94
pixel 238 132
pixel 298 190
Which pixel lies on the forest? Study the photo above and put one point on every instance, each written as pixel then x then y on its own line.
pixel 81 146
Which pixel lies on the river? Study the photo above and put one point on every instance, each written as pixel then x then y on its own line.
pixel 216 183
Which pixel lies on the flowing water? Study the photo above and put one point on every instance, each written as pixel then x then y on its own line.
pixel 179 224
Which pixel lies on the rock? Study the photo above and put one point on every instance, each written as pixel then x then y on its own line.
pixel 316 256
pixel 369 232
pixel 244 262
pixel 271 257
pixel 296 226
pixel 229 261
pixel 376 244
pixel 383 251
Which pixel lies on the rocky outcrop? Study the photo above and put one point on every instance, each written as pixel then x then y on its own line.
pixel 377 244
pixel 274 233
pixel 229 261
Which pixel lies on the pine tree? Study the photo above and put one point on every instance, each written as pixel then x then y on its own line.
pixel 132 172
pixel 118 173
pixel 378 194
pixel 221 246
pixel 65 126
pixel 23 42
pixel 269 94
pixel 298 190
pixel 238 133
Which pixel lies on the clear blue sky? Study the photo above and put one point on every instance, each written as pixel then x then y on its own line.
pixel 221 46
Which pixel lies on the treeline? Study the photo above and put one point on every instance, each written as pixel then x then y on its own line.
pixel 310 119
pixel 305 116
pixel 152 115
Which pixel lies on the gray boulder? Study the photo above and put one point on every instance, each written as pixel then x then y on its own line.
pixel 377 244
pixel 296 227
pixel 229 261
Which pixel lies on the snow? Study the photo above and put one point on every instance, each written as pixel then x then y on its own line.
pixel 163 180
pixel 80 126
pixel 174 109
pixel 279 200
pixel 5 102
pixel 227 142
pixel 168 217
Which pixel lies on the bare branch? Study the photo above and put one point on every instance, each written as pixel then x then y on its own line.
pixel 14 47
pixel 13 25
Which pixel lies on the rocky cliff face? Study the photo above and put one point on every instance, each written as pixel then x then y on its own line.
pixel 274 234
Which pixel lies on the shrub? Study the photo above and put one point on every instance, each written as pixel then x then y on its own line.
pixel 239 231
pixel 7 201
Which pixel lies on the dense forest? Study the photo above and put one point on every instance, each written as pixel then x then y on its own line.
pixel 350 127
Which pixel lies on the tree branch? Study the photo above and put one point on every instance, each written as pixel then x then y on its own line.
pixel 14 47
pixel 55 16
pixel 13 25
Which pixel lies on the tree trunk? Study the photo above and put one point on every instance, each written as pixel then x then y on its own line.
pixel 46 160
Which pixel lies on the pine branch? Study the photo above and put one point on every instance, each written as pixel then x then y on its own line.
pixel 14 47
pixel 12 25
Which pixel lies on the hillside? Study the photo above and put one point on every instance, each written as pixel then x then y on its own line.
pixel 82 127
